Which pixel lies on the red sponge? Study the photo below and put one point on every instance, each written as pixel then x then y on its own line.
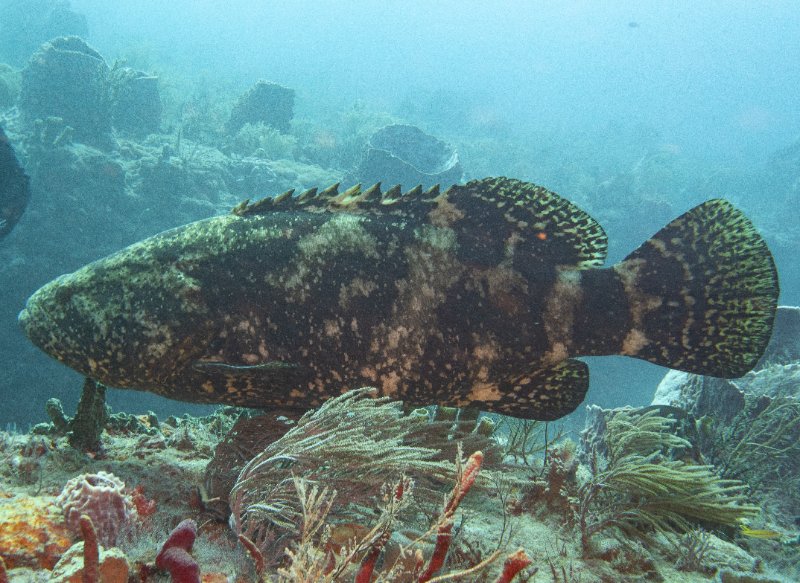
pixel 174 554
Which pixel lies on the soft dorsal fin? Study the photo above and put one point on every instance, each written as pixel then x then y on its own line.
pixel 537 230
pixel 493 218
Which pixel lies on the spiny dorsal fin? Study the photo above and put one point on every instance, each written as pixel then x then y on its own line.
pixel 283 197
pixel 432 192
pixel 391 195
pixel 241 208
pixel 331 192
pixel 494 219
pixel 354 198
pixel 348 197
pixel 414 192
pixel 372 193
pixel 307 194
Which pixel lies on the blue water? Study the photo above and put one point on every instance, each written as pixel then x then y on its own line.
pixel 636 111
pixel 718 79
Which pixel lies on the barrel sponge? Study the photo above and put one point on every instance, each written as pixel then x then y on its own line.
pixel 102 497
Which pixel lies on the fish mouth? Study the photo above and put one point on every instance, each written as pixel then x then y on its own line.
pixel 33 323
pixel 23 319
pixel 36 322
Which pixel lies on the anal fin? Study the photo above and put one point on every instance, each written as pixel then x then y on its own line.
pixel 544 394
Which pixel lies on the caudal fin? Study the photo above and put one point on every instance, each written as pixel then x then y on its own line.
pixel 703 293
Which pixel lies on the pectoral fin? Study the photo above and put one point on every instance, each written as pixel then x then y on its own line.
pixel 245 378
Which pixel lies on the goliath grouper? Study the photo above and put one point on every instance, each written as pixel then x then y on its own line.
pixel 14 187
pixel 480 295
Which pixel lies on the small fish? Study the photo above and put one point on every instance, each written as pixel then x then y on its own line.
pixel 14 187
pixel 480 295
pixel 759 533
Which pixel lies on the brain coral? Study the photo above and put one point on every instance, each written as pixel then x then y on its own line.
pixel 100 496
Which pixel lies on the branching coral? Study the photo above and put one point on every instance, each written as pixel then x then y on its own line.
pixel 524 438
pixel 313 560
pixel 352 443
pixel 639 489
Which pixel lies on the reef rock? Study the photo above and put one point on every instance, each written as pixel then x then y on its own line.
pixel 136 102
pixel 66 78
pixel 113 566
pixel 265 102
pixel 404 154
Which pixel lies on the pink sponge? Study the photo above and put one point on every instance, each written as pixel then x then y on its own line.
pixel 174 554
pixel 100 496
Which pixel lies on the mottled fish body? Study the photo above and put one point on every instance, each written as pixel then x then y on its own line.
pixel 14 187
pixel 480 295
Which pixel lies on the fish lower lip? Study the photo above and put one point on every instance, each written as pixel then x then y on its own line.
pixel 33 323
pixel 23 318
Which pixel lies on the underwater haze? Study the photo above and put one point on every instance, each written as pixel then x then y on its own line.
pixel 634 112
pixel 299 271
pixel 716 79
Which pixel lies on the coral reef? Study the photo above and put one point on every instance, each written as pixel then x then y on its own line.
pixel 640 489
pixel 261 140
pixel 313 559
pixel 248 437
pixel 14 187
pixel 68 79
pixel 135 102
pixel 265 102
pixel 405 155
pixel 750 427
pixel 112 566
pixel 83 430
pixel 174 557
pixel 339 444
pixel 102 498
pixel 370 506
pixel 88 561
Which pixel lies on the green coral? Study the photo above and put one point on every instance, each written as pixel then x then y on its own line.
pixel 639 489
